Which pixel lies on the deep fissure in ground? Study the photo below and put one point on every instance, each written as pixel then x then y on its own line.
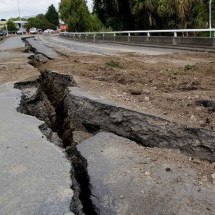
pixel 44 99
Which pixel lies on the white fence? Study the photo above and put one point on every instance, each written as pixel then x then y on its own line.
pixel 173 32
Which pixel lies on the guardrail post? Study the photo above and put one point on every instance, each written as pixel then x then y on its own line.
pixel 114 36
pixel 86 35
pixel 129 37
pixel 79 36
pixel 103 36
pixel 213 39
pixel 174 42
pixel 94 37
pixel 148 36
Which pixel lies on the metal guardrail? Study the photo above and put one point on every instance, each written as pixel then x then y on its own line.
pixel 147 32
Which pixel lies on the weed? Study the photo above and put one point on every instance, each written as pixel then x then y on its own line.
pixel 189 67
pixel 114 64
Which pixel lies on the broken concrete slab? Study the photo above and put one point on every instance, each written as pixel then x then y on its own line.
pixel 12 43
pixel 39 48
pixel 144 128
pixel 126 179
pixel 35 174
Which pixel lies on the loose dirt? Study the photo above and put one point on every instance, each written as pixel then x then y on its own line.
pixel 14 66
pixel 165 85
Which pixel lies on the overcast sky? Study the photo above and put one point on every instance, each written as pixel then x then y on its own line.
pixel 8 8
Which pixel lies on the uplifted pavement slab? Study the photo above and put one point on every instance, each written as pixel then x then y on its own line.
pixel 39 48
pixel 147 129
pixel 35 174
pixel 126 178
pixel 12 43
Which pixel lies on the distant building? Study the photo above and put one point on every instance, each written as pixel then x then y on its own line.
pixel 20 23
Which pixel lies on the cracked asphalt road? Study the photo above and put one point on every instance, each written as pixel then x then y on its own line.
pixel 35 174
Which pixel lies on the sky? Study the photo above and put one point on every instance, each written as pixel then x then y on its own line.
pixel 9 8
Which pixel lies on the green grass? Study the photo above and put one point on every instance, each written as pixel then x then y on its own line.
pixel 114 64
pixel 189 67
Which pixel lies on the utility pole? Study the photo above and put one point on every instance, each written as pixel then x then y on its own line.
pixel 7 29
pixel 210 19
pixel 20 17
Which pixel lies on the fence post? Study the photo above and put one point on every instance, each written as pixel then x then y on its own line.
pixel 129 37
pixel 174 41
pixel 148 37
pixel 114 36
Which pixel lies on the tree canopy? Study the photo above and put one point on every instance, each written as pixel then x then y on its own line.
pixel 52 16
pixel 136 14
pixel 39 21
pixel 152 14
pixel 11 26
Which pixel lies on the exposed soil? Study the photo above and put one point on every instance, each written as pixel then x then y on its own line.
pixel 168 85
pixel 165 85
pixel 14 66
pixel 50 100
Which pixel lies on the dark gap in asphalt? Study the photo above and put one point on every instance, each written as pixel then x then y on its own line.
pixel 44 98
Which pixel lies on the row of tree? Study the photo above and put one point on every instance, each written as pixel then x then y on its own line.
pixel 152 14
pixel 49 20
pixel 124 15
pixel 135 14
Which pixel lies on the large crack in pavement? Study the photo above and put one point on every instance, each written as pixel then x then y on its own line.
pixel 44 99
pixel 66 111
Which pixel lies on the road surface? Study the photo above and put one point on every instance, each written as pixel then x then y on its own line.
pixel 100 48
pixel 35 174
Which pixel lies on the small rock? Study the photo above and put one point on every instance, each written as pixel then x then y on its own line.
pixel 168 169
pixel 147 98
pixel 196 161
pixel 190 159
pixel 193 117
pixel 146 91
pixel 122 197
pixel 202 123
pixel 207 121
pixel 204 178
pixel 147 173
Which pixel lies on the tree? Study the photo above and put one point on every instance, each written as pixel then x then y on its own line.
pixel 75 14
pixel 11 26
pixel 145 12
pixel 39 21
pixel 179 12
pixel 115 14
pixel 52 15
pixel 95 23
